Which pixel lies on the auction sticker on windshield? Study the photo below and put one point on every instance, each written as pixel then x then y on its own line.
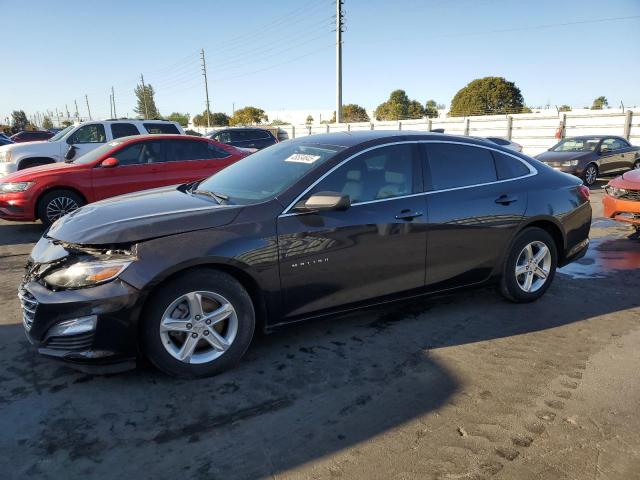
pixel 303 158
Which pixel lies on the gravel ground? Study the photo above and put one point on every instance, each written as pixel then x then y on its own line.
pixel 464 386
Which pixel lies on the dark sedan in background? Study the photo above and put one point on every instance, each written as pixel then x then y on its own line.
pixel 590 156
pixel 307 228
pixel 249 138
pixel 32 136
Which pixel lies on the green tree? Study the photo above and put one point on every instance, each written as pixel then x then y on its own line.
pixel 47 123
pixel 399 107
pixel 248 116
pixel 218 119
pixel 19 121
pixel 181 119
pixel 487 96
pixel 309 120
pixel 277 123
pixel 599 103
pixel 146 106
pixel 564 108
pixel 352 112
pixel 431 109
pixel 66 123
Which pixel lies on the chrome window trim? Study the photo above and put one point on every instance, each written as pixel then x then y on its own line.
pixel 532 171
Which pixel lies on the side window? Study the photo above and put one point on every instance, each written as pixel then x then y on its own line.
pixel 223 137
pixel 452 165
pixel 385 172
pixel 509 167
pixel 156 128
pixel 89 134
pixel 123 130
pixel 239 135
pixel 140 153
pixel 611 144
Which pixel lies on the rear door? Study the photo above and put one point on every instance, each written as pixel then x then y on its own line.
pixel 137 170
pixel 475 202
pixel 374 248
pixel 190 159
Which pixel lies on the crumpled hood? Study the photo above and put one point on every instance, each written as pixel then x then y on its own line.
pixel 560 156
pixel 141 216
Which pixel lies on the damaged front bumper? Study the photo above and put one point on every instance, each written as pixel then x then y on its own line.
pixel 93 328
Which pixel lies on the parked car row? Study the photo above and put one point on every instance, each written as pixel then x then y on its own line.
pixel 76 140
pixel 185 274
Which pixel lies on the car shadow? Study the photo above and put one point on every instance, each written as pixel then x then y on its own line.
pixel 300 394
pixel 20 233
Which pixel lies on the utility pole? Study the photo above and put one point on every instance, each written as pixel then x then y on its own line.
pixel 113 99
pixel 77 113
pixel 206 87
pixel 88 109
pixel 58 117
pixel 67 109
pixel 144 97
pixel 339 25
pixel 110 107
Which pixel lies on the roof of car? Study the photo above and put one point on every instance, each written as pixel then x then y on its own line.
pixel 349 139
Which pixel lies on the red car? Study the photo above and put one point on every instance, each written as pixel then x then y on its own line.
pixel 32 136
pixel 122 166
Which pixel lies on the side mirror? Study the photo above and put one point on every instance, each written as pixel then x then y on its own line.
pixel 71 152
pixel 109 162
pixel 323 201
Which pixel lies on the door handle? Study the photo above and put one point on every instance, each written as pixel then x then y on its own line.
pixel 506 199
pixel 408 215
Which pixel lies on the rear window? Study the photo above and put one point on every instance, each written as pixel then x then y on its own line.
pixel 452 165
pixel 509 167
pixel 123 130
pixel 156 128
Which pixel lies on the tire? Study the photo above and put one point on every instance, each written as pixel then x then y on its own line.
pixel 590 174
pixel 514 286
pixel 56 204
pixel 169 322
pixel 636 165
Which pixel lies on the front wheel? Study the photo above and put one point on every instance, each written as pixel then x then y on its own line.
pixel 198 325
pixel 530 266
pixel 590 175
pixel 56 204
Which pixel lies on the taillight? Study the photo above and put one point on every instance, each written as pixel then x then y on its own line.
pixel 584 192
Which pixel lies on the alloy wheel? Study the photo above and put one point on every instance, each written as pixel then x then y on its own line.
pixel 533 266
pixel 59 207
pixel 590 175
pixel 198 327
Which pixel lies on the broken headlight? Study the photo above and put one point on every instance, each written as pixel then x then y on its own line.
pixel 86 273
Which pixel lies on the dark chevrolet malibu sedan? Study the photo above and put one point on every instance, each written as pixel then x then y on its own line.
pixel 306 228
pixel 590 156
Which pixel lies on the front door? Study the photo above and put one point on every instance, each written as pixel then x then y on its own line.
pixel 475 204
pixel 374 248
pixel 137 170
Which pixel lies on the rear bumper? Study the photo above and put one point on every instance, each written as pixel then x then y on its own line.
pixel 622 210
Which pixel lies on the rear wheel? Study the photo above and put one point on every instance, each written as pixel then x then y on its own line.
pixel 590 175
pixel 56 204
pixel 530 267
pixel 198 325
pixel 636 165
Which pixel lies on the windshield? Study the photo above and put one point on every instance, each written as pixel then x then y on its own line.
pixel 96 152
pixel 577 145
pixel 267 173
pixel 61 134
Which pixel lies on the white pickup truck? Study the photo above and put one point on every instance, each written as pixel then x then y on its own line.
pixel 76 140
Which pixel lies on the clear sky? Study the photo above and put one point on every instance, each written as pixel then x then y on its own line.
pixel 281 55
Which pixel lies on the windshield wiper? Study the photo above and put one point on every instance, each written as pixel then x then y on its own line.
pixel 220 197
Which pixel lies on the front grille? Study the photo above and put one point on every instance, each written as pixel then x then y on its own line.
pixel 80 342
pixel 29 307
pixel 632 195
